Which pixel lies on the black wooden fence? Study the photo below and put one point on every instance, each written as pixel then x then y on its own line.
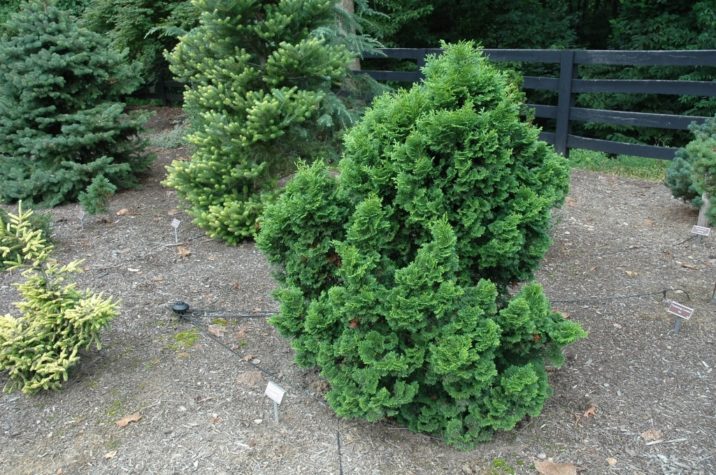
pixel 567 85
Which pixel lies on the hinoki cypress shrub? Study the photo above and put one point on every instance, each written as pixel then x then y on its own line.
pixel 57 320
pixel 395 274
pixel 63 130
pixel 260 78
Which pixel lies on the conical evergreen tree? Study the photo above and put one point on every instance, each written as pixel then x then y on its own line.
pixel 260 79
pixel 62 127
pixel 394 276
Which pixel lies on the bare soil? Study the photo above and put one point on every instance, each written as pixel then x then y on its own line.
pixel 632 398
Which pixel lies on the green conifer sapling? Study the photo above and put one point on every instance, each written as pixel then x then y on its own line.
pixel 56 319
pixel 260 91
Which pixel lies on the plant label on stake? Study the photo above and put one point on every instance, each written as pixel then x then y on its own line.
pixel 275 393
pixel 701 230
pixel 682 313
pixel 175 225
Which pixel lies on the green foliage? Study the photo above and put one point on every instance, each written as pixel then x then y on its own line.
pixel 650 169
pixel 145 28
pixel 693 170
pixel 394 275
pixel 57 320
pixel 588 24
pixel 169 138
pixel 382 19
pixel 261 81
pixel 493 23
pixel 185 340
pixel 8 7
pixel 61 122
pixel 656 25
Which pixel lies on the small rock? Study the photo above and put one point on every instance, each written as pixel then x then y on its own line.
pixel 542 455
pixel 466 469
pixel 250 378
pixel 258 421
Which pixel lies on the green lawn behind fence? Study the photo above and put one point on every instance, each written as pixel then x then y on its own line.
pixel 623 165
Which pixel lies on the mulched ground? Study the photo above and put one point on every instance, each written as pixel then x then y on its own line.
pixel 633 398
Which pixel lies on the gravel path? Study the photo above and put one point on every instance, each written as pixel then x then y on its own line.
pixel 633 398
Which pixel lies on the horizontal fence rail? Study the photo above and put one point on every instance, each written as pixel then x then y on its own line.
pixel 568 84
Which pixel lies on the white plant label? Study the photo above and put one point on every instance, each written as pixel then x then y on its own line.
pixel 175 223
pixel 681 311
pixel 274 392
pixel 701 230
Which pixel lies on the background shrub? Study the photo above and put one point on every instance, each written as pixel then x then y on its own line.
pixel 62 127
pixel 261 80
pixel 8 7
pixel 145 28
pixel 394 276
pixel 693 170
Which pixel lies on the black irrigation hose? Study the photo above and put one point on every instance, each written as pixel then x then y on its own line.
pixel 222 314
pixel 188 318
pixel 182 309
pixel 184 314
pixel 662 292
pixel 646 247
pixel 200 327
pixel 152 252
pixel 338 444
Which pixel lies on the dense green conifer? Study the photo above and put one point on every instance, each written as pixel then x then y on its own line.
pixel 395 273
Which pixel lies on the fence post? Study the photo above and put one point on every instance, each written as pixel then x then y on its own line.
pixel 565 101
pixel 421 62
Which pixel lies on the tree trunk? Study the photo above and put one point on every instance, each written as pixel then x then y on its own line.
pixel 703 219
pixel 349 6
